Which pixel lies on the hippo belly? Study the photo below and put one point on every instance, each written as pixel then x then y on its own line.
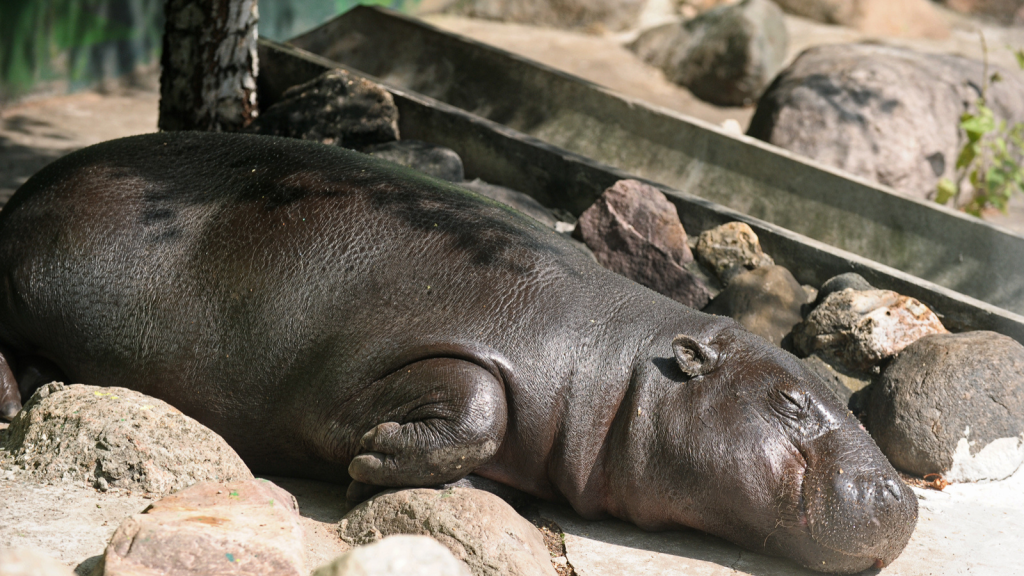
pixel 336 317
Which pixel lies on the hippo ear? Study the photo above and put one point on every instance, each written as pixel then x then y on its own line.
pixel 694 358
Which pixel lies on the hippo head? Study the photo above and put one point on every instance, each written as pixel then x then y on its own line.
pixel 733 436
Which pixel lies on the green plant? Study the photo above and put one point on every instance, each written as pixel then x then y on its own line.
pixel 992 157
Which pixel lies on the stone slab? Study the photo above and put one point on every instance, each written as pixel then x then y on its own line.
pixel 965 529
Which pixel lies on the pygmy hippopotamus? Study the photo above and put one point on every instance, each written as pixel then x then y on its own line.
pixel 334 317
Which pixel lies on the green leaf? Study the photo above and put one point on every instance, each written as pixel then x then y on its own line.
pixel 977 125
pixel 1019 53
pixel 996 77
pixel 945 191
pixel 966 156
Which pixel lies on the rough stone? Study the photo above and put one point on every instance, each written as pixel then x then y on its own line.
pixel 766 301
pixel 635 231
pixel 731 249
pixel 952 404
pixel 592 14
pixel 887 114
pixel 28 562
pixel 906 18
pixel 248 527
pixel 725 56
pixel 396 556
pixel 850 280
pixel 478 527
pixel 118 438
pixel 861 328
pixel 333 108
pixel 437 161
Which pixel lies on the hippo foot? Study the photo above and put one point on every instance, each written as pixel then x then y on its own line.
pixel 10 397
pixel 455 424
pixel 34 372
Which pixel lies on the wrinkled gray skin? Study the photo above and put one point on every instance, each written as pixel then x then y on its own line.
pixel 330 315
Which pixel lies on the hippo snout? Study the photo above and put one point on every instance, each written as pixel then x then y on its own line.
pixel 855 502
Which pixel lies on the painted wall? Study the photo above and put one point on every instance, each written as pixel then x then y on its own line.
pixel 54 46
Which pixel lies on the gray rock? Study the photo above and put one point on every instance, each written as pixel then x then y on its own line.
pixel 593 14
pixel 249 527
pixel 952 404
pixel 765 300
pixel 860 329
pixel 731 249
pixel 850 280
pixel 726 56
pixel 396 556
pixel 437 161
pixel 518 200
pixel 635 231
pixel 333 108
pixel 124 438
pixel 887 114
pixel 28 562
pixel 478 527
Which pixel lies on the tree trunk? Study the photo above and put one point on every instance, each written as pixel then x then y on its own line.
pixel 208 81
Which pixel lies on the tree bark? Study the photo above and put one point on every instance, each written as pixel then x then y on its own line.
pixel 209 61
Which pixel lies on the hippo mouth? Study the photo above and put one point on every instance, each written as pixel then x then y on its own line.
pixel 854 513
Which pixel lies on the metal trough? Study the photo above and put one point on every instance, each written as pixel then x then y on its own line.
pixel 747 175
pixel 563 179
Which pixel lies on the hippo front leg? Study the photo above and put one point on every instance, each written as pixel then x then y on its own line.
pixel 451 419
pixel 10 396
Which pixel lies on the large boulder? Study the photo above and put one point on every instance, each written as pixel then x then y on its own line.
pixel 887 114
pixel 333 108
pixel 766 301
pixel 115 437
pixel 861 328
pixel 634 230
pixel 396 556
pixel 478 527
pixel 245 528
pixel 608 14
pixel 725 56
pixel 952 404
pixel 908 18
